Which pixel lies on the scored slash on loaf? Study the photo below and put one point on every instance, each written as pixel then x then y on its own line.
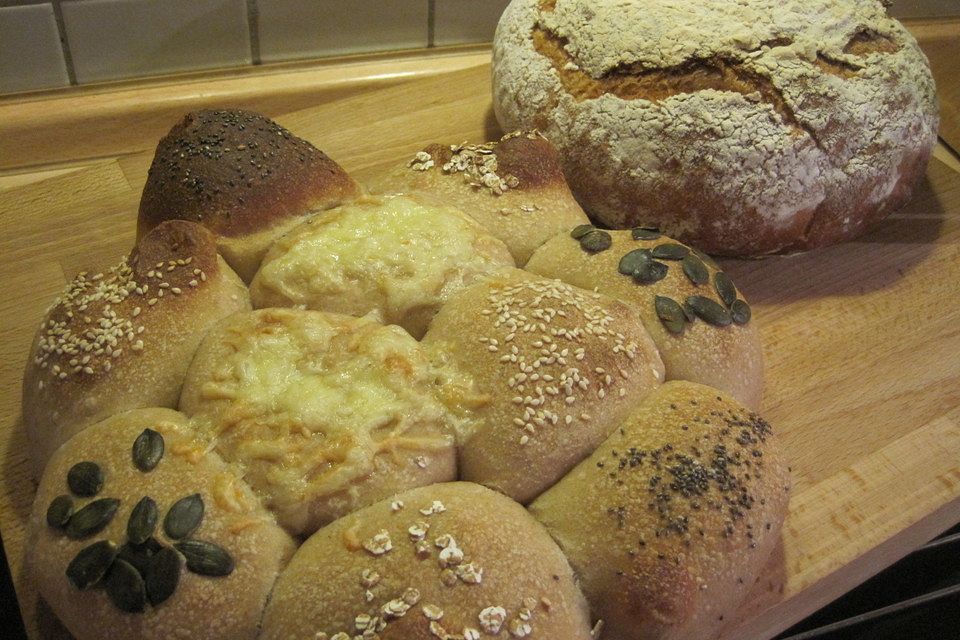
pixel 394 350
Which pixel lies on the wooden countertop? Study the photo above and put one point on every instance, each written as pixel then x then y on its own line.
pixel 860 340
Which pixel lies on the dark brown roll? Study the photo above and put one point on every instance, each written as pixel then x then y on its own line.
pixel 123 339
pixel 513 187
pixel 140 532
pixel 242 176
pixel 743 128
pixel 669 522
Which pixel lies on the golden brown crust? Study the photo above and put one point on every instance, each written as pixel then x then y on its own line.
pixel 202 607
pixel 123 339
pixel 242 176
pixel 675 513
pixel 470 562
pixel 327 413
pixel 525 204
pixel 555 369
pixel 729 358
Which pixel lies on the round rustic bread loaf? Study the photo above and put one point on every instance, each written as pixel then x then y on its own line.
pixel 696 316
pixel 123 339
pixel 326 413
pixel 242 176
pixel 743 128
pixel 399 257
pixel 513 187
pixel 670 521
pixel 446 561
pixel 557 369
pixel 139 531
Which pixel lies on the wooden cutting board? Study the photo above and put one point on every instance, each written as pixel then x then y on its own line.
pixel 862 342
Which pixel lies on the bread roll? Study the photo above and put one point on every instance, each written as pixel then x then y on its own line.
pixel 558 369
pixel 242 176
pixel 123 339
pixel 514 187
pixel 147 594
pixel 326 413
pixel 743 128
pixel 670 521
pixel 446 561
pixel 723 352
pixel 399 257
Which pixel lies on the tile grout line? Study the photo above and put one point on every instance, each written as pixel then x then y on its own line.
pixel 431 22
pixel 64 45
pixel 253 23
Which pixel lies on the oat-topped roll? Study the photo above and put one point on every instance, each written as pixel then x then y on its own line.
pixel 446 561
pixel 556 368
pixel 514 187
pixel 698 319
pixel 399 257
pixel 140 532
pixel 242 176
pixel 326 413
pixel 123 339
pixel 669 522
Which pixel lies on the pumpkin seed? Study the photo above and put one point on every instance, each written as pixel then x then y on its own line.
pixel 163 575
pixel 707 260
pixel 125 587
pixel 59 511
pixel 183 517
pixel 92 518
pixel 143 520
pixel 139 555
pixel 85 479
pixel 650 272
pixel 725 289
pixel 147 450
pixel 645 233
pixel 90 565
pixel 694 268
pixel 595 241
pixel 205 558
pixel 670 313
pixel 633 260
pixel 740 312
pixel 581 230
pixel 710 311
pixel 688 312
pixel 670 251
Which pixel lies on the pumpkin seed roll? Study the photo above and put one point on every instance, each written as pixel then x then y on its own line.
pixel 326 413
pixel 669 522
pixel 698 319
pixel 513 187
pixel 398 257
pixel 139 531
pixel 242 176
pixel 555 367
pixel 122 339
pixel 446 561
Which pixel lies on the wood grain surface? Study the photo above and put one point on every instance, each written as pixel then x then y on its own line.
pixel 862 340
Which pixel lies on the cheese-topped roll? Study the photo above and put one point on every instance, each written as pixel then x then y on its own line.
pixel 697 317
pixel 122 339
pixel 326 413
pixel 140 532
pixel 450 561
pixel 556 369
pixel 400 257
pixel 669 522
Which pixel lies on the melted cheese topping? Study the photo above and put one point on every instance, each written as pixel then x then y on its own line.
pixel 395 256
pixel 313 404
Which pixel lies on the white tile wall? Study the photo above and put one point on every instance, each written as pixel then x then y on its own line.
pixel 112 39
pixel 291 29
pixel 464 21
pixel 30 53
